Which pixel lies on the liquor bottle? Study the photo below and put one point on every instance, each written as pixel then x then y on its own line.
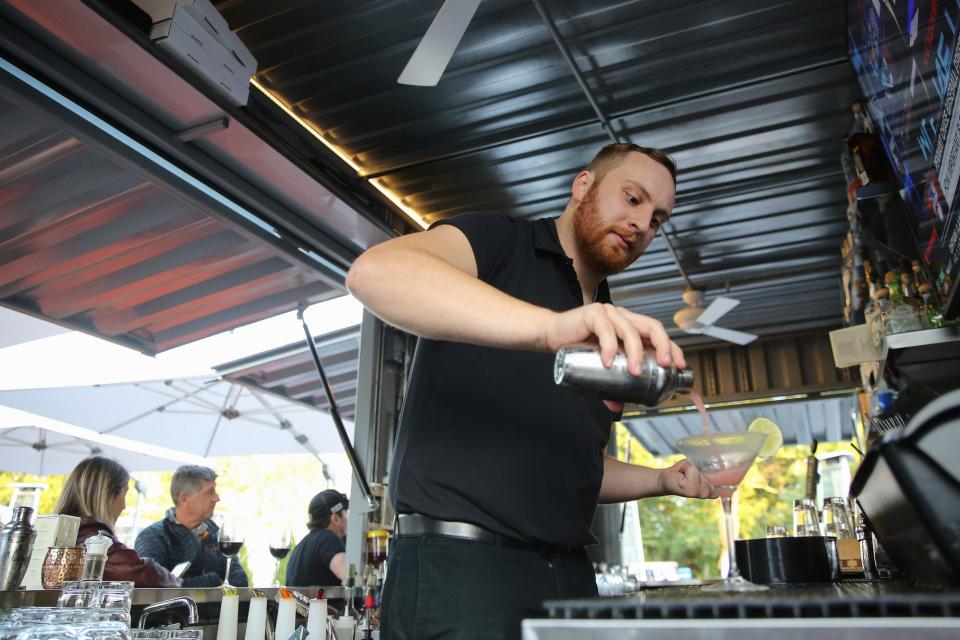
pixel 371 613
pixel 875 313
pixel 905 313
pixel 866 149
pixel 349 593
pixel 931 306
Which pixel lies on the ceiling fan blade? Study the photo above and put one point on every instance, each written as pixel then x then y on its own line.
pixel 737 337
pixel 717 309
pixel 433 54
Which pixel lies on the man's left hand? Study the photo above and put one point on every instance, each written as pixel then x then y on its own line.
pixel 684 480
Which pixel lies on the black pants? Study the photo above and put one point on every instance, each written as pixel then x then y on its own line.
pixel 462 590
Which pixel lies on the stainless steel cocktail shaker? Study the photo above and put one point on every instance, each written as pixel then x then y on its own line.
pixel 579 366
pixel 16 543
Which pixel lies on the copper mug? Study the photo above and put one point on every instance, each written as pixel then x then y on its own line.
pixel 60 565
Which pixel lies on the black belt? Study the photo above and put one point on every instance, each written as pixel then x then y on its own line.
pixel 415 525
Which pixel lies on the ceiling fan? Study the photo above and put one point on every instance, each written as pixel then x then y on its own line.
pixel 433 54
pixel 697 320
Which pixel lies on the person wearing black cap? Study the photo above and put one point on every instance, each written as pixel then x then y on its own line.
pixel 319 560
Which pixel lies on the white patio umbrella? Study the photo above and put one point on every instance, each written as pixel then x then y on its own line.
pixel 31 443
pixel 202 417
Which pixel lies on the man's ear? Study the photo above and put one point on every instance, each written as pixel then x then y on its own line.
pixel 581 184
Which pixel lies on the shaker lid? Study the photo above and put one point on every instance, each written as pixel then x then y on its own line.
pixel 97 545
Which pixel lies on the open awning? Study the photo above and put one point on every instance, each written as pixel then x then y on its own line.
pixel 289 371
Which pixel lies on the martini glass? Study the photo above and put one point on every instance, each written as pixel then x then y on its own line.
pixel 723 459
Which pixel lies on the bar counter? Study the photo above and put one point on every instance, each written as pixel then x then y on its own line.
pixel 854 610
pixel 142 597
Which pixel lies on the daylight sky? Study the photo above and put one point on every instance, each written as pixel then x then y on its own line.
pixel 75 358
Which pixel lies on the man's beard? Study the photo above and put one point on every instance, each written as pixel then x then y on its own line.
pixel 594 248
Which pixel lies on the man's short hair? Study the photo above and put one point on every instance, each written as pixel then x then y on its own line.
pixel 613 154
pixel 323 506
pixel 189 478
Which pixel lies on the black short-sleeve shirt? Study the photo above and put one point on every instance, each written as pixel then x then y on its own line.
pixel 309 564
pixel 486 436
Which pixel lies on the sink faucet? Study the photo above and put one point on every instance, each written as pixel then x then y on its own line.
pixel 185 602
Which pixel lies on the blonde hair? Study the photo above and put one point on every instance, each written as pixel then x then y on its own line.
pixel 92 485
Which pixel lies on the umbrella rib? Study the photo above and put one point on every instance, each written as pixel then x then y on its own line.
pixel 301 439
pixel 162 407
pixel 186 395
pixel 216 426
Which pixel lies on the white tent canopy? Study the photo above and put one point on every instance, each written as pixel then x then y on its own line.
pixel 202 417
pixel 30 443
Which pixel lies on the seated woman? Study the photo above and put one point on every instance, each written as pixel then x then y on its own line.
pixel 96 492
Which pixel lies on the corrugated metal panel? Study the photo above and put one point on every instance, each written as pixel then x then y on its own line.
pixel 290 371
pixel 752 98
pixel 92 244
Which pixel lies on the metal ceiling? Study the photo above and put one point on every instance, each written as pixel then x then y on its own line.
pixel 751 97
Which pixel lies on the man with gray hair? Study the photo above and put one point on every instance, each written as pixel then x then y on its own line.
pixel 187 533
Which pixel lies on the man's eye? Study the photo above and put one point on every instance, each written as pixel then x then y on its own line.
pixel 633 200
pixel 656 223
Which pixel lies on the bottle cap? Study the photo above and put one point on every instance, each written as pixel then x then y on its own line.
pixel 97 545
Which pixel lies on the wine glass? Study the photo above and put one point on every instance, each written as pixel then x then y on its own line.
pixel 230 541
pixel 280 543
pixel 723 459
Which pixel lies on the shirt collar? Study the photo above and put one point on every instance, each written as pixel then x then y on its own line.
pixel 546 238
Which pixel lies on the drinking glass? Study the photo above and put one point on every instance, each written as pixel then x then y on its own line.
pixel 280 543
pixel 776 531
pixel 77 594
pixel 806 522
pixel 230 541
pixel 114 595
pixel 836 519
pixel 724 459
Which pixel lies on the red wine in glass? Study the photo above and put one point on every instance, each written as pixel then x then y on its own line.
pixel 279 553
pixel 230 547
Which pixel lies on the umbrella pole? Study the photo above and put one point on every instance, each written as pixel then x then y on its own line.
pixel 337 421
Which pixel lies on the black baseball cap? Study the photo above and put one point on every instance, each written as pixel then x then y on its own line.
pixel 326 503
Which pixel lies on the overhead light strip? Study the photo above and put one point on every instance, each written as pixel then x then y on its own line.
pixel 376 183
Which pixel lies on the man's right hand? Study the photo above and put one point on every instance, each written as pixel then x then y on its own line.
pixel 611 326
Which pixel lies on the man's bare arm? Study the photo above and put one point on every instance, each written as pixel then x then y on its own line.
pixel 426 283
pixel 623 482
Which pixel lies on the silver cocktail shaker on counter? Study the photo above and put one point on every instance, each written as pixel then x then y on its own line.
pixel 579 366
pixel 16 543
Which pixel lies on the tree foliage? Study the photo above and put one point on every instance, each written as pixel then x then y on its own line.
pixel 689 531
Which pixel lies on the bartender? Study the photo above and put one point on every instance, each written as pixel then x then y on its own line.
pixel 497 471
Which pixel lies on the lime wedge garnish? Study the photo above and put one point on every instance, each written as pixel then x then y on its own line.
pixel 769 428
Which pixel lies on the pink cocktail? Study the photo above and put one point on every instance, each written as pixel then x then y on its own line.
pixel 726 481
pixel 723 459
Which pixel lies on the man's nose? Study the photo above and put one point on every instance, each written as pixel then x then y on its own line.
pixel 640 223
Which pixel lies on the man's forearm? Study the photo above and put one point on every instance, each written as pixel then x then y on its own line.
pixel 426 296
pixel 623 482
